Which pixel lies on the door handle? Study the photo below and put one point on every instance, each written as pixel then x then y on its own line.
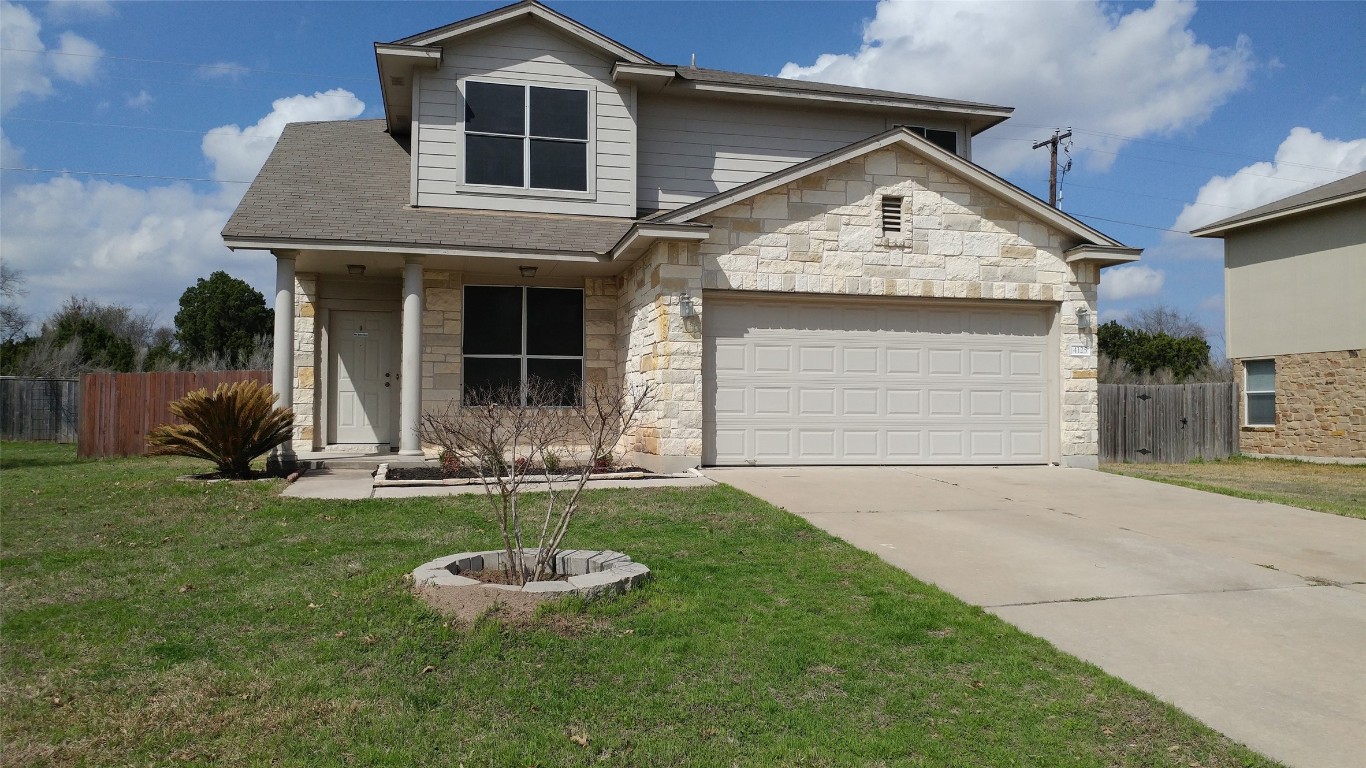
pixel 386 383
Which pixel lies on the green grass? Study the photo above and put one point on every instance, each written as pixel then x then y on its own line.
pixel 1335 488
pixel 153 622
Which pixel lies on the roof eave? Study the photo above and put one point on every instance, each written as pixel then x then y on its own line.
pixel 1102 256
pixel 396 65
pixel 236 243
pixel 978 114
pixel 644 234
pixel 528 9
pixel 1220 228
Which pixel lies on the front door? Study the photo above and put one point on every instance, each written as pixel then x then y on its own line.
pixel 364 377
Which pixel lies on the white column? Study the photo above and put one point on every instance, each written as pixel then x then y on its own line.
pixel 282 372
pixel 410 394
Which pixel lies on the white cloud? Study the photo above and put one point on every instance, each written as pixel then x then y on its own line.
pixel 29 65
pixel 223 70
pixel 238 153
pixel 1303 161
pixel 143 246
pixel 1131 282
pixel 142 100
pixel 1084 64
pixel 10 155
pixel 63 11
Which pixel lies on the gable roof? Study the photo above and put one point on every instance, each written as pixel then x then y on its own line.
pixel 526 9
pixel 343 185
pixel 1333 193
pixel 927 151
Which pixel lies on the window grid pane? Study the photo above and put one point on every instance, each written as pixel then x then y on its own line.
pixel 1261 409
pixel 1261 375
pixel 499 119
pixel 557 314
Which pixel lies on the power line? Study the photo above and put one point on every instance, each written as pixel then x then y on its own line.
pixel 105 125
pixel 122 175
pixel 1127 223
pixel 223 66
pixel 221 86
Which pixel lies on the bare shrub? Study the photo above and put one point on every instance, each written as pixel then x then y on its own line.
pixel 513 435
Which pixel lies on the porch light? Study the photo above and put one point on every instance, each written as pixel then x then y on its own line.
pixel 527 272
pixel 1083 318
pixel 685 305
pixel 355 270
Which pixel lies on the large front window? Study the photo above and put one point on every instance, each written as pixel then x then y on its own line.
pixel 526 136
pixel 514 335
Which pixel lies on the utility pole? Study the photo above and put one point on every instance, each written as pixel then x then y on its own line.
pixel 1052 145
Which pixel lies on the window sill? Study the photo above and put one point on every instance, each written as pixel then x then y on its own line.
pixel 540 194
pixel 1257 428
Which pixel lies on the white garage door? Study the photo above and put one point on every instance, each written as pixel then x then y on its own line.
pixel 831 382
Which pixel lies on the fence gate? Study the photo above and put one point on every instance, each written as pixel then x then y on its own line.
pixel 39 409
pixel 1168 423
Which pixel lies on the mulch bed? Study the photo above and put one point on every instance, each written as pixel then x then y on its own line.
pixel 440 473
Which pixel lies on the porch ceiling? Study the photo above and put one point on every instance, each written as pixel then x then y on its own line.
pixel 390 263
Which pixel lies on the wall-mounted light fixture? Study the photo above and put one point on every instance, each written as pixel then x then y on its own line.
pixel 527 271
pixel 685 306
pixel 355 270
pixel 1083 318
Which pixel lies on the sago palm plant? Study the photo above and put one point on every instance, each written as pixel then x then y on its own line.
pixel 230 427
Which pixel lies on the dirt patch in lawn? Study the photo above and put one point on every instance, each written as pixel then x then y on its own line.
pixel 466 604
pixel 1336 488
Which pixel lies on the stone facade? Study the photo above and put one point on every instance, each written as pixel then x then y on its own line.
pixel 661 348
pixel 306 364
pixel 1320 407
pixel 823 235
pixel 441 299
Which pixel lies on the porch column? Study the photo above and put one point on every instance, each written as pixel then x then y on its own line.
pixel 410 392
pixel 282 369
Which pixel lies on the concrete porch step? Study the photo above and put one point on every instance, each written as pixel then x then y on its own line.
pixel 324 460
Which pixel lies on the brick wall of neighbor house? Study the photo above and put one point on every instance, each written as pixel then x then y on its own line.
pixel 441 294
pixel 661 348
pixel 1320 407
pixel 823 235
pixel 305 360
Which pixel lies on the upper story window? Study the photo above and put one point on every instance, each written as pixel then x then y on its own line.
pixel 945 139
pixel 526 136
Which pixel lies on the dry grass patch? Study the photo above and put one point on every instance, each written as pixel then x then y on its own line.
pixel 1336 488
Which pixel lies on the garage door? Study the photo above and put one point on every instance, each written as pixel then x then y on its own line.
pixel 831 382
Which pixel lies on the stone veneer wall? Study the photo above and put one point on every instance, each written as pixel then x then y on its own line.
pixel 305 361
pixel 659 347
pixel 1320 407
pixel 600 353
pixel 441 299
pixel 823 235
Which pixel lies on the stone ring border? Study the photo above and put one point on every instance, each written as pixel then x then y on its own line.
pixel 592 573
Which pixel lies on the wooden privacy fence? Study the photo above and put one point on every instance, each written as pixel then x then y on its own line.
pixel 119 409
pixel 1168 423
pixel 39 409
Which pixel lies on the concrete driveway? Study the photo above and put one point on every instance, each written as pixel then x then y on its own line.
pixel 1249 616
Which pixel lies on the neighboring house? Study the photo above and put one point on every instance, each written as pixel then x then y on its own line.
pixel 807 273
pixel 1295 320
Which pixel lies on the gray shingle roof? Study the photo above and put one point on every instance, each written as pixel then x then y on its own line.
pixel 740 78
pixel 1351 185
pixel 347 181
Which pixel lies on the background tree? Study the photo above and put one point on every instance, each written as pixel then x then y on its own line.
pixel 85 336
pixel 1158 344
pixel 221 317
pixel 13 320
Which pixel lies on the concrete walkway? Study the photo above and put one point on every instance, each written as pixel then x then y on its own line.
pixel 1249 616
pixel 358 484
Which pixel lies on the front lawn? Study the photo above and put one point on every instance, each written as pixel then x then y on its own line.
pixel 152 622
pixel 1336 488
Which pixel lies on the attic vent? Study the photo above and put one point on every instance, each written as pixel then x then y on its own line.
pixel 396 79
pixel 891 214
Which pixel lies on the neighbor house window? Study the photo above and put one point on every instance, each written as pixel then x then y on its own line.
pixel 515 335
pixel 526 136
pixel 1259 388
pixel 945 139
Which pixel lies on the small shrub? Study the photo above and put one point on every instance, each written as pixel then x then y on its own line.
pixel 552 462
pixel 450 463
pixel 230 427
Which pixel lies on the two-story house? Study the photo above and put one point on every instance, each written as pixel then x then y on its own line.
pixel 807 273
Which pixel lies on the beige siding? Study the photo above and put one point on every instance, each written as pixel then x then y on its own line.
pixel 1297 285
pixel 525 53
pixel 691 149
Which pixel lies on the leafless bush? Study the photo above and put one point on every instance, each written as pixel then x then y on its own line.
pixel 1115 371
pixel 514 435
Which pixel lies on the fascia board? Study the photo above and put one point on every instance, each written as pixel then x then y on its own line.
pixel 1218 229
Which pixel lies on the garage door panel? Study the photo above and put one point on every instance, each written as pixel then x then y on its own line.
pixel 820 383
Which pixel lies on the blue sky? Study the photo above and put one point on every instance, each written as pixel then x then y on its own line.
pixel 1182 113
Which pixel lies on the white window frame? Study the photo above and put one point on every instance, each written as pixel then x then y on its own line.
pixel 1247 411
pixel 523 357
pixel 526 190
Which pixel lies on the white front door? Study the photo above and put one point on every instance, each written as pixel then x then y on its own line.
pixel 365 379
